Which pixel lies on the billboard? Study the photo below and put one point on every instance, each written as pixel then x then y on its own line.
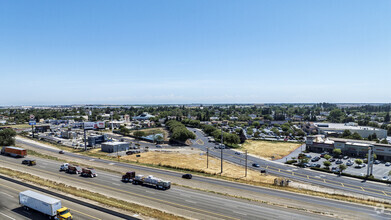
pixel 89 125
pixel 99 125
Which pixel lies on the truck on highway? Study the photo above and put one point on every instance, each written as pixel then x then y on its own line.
pixel 152 181
pixel 74 169
pixel 44 204
pixel 89 172
pixel 14 151
pixel 128 177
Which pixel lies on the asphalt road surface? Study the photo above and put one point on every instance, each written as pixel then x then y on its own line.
pixel 328 204
pixel 378 190
pixel 11 210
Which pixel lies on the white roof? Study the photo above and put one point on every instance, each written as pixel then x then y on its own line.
pixel 40 197
pixel 114 143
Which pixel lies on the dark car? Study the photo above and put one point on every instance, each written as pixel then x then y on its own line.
pixel 255 165
pixel 332 160
pixel 187 176
pixel 315 159
pixel 339 162
pixel 324 153
pixel 237 153
pixel 29 162
pixel 61 152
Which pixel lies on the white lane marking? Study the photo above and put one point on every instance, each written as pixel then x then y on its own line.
pixel 115 184
pixel 6 194
pixel 7 216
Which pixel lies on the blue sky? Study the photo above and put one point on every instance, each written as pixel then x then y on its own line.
pixel 201 51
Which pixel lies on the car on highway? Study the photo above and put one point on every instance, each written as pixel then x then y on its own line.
pixel 387 164
pixel 187 176
pixel 237 153
pixel 386 178
pixel 158 146
pixel 29 162
pixel 61 152
pixel 255 165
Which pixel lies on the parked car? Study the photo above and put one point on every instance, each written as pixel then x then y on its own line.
pixel 387 164
pixel 332 160
pixel 335 169
pixel 187 176
pixel 308 156
pixel 386 178
pixel 306 165
pixel 29 162
pixel 360 165
pixel 315 165
pixel 339 162
pixel 255 165
pixel 345 157
pixel 315 159
pixel 324 153
pixel 376 162
pixel 349 163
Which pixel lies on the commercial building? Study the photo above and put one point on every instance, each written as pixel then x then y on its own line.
pixel 143 116
pixel 355 148
pixel 338 128
pixel 42 128
pixel 111 147
pixel 97 139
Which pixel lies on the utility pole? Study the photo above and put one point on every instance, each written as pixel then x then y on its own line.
pixel 111 114
pixel 221 148
pixel 370 161
pixel 207 157
pixel 85 139
pixel 246 165
pixel 32 130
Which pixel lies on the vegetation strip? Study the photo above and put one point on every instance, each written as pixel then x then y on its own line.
pixel 109 201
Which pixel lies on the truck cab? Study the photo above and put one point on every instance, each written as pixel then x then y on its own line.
pixel 64 167
pixel 64 214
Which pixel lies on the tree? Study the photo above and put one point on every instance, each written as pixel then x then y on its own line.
pixel 358 161
pixel 384 141
pixel 337 151
pixel 124 130
pixel 356 136
pixel 387 117
pixel 327 157
pixel 373 155
pixel 303 159
pixel 7 137
pixel 327 164
pixel 256 124
pixel 346 133
pixel 336 115
pixel 342 167
pixel 139 134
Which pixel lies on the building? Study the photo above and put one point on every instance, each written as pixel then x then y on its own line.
pixel 42 128
pixel 96 139
pixel 111 147
pixel 127 118
pixel 143 116
pixel 355 148
pixel 339 128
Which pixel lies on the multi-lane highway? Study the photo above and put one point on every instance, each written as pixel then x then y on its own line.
pixel 193 203
pixel 324 204
pixel 10 208
pixel 377 190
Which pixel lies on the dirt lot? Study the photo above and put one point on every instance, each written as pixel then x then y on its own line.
pixel 150 131
pixel 197 162
pixel 269 149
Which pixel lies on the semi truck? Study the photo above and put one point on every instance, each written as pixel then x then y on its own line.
pixel 14 151
pixel 129 176
pixel 152 181
pixel 44 204
pixel 73 169
pixel 89 172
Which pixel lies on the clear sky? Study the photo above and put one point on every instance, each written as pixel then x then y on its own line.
pixel 194 51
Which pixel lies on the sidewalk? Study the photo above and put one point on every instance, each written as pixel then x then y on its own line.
pixel 294 153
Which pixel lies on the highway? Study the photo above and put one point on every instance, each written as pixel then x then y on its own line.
pixel 325 204
pixel 378 190
pixel 11 210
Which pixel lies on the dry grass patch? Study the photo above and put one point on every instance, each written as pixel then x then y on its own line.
pixel 18 126
pixel 197 162
pixel 269 149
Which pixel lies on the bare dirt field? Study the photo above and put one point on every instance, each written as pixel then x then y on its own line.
pixel 271 150
pixel 197 162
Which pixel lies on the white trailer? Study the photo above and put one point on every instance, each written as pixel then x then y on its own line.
pixel 44 204
pixel 153 181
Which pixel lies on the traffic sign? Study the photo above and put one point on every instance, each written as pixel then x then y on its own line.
pixel 32 122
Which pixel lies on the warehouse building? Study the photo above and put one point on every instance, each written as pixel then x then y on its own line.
pixel 111 147
pixel 338 128
pixel 97 139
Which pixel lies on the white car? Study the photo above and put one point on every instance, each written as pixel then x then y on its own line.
pixel 386 178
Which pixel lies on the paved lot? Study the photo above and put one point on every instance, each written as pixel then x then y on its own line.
pixel 379 170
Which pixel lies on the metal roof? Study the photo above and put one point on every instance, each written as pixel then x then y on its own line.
pixel 40 197
pixel 16 148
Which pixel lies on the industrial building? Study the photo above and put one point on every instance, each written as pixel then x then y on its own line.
pixel 42 128
pixel 111 147
pixel 354 148
pixel 338 128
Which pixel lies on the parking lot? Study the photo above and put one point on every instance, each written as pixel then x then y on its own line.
pixel 379 170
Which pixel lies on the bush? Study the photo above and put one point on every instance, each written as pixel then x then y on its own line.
pixel 291 161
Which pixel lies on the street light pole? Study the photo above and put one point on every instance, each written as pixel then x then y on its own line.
pixel 207 157
pixel 221 147
pixel 85 139
pixel 246 165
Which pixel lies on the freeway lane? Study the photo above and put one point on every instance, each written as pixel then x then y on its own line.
pixel 201 204
pixel 325 204
pixel 11 210
pixel 305 175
